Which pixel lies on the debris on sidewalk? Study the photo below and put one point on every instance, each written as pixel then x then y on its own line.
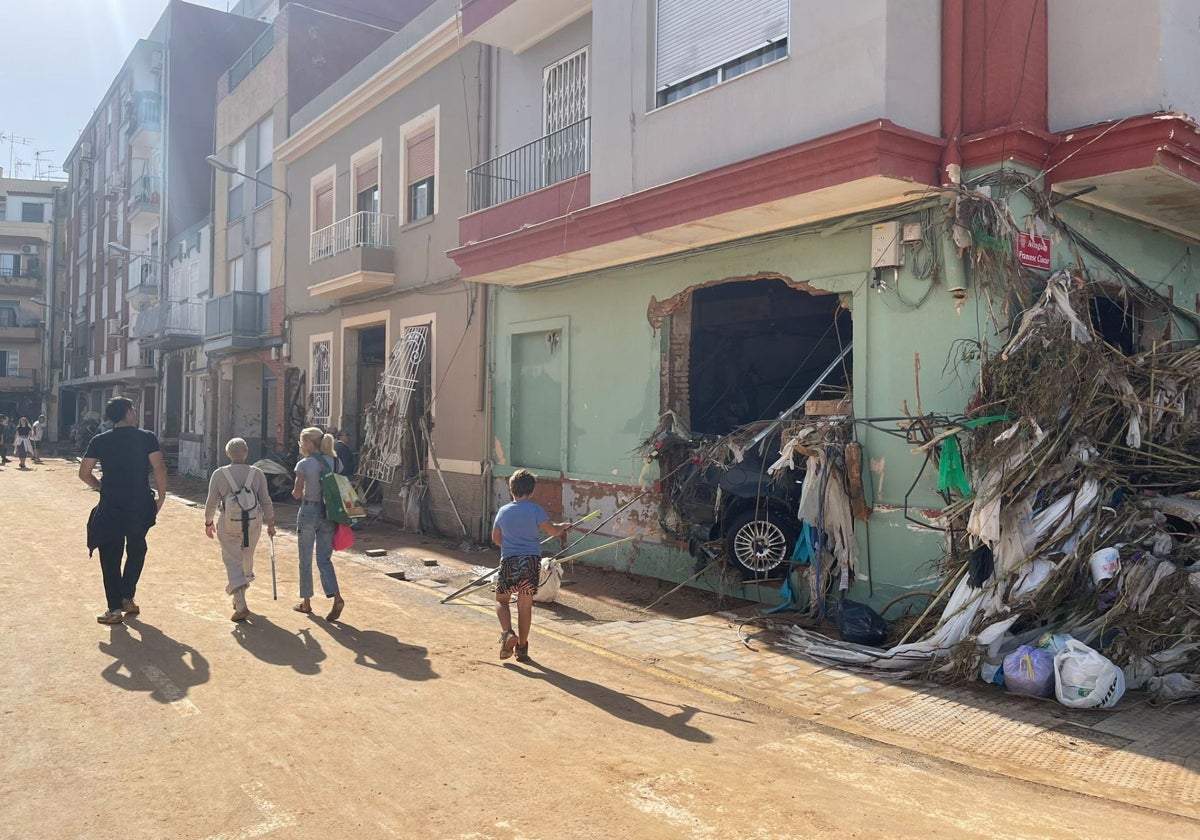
pixel 1086 495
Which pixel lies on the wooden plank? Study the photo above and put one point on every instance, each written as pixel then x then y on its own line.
pixel 827 408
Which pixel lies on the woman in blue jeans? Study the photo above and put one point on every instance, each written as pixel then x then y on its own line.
pixel 316 457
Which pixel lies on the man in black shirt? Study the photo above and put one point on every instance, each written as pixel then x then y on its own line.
pixel 127 509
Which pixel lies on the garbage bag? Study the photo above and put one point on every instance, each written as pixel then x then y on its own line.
pixel 859 624
pixel 1029 670
pixel 549 581
pixel 1085 679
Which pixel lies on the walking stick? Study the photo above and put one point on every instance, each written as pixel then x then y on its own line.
pixel 274 586
pixel 593 515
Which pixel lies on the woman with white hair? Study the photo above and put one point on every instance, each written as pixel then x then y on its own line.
pixel 239 491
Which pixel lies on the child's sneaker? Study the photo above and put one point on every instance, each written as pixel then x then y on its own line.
pixel 523 652
pixel 508 643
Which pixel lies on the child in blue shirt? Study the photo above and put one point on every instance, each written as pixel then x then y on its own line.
pixel 517 531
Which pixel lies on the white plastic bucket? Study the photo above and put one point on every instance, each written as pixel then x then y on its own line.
pixel 1105 564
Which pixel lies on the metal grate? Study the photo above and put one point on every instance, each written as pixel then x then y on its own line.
pixel 319 398
pixel 388 420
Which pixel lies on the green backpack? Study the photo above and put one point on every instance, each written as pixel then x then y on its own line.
pixel 338 495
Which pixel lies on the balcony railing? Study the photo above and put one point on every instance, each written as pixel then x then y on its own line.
pixel 18 377
pixel 361 230
pixel 29 268
pixel 548 160
pixel 143 275
pixel 181 318
pixel 249 60
pixel 237 314
pixel 145 112
pixel 145 194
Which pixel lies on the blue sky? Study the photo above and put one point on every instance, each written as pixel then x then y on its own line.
pixel 62 55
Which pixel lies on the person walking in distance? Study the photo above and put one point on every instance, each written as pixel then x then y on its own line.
pixel 127 509
pixel 239 490
pixel 39 432
pixel 313 528
pixel 7 434
pixel 345 455
pixel 516 531
pixel 23 448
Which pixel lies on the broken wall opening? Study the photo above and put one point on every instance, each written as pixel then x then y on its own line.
pixel 754 347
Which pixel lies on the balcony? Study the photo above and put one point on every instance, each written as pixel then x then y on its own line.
pixel 237 321
pixel 143 279
pixel 18 379
pixel 145 196
pixel 250 59
pixel 170 326
pixel 354 255
pixel 19 329
pixel 25 279
pixel 143 115
pixel 549 160
pixel 516 25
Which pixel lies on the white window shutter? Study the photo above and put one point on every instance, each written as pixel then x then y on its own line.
pixel 695 36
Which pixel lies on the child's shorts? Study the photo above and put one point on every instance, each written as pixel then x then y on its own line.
pixel 519 574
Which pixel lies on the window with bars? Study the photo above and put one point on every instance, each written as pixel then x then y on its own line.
pixel 702 43
pixel 320 397
pixel 565 104
pixel 419 163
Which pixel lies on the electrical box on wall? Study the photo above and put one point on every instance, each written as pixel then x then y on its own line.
pixel 885 245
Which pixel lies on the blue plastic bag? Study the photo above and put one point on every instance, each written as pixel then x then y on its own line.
pixel 1029 670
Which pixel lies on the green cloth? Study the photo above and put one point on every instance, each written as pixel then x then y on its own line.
pixel 951 474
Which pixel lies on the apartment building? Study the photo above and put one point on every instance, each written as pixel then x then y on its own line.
pixel 387 339
pixel 140 183
pixel 302 52
pixel 29 328
pixel 700 208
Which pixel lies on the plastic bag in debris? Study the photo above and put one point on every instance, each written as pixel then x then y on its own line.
pixel 1053 642
pixel 1029 670
pixel 1032 578
pixel 859 624
pixel 1173 687
pixel 1085 679
pixel 549 581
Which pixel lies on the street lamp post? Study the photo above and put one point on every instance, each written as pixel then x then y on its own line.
pixel 229 168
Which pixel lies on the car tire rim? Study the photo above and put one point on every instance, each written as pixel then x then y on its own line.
pixel 760 545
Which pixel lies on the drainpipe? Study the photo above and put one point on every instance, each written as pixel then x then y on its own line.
pixel 953 21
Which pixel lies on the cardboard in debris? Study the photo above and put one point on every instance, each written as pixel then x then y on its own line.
pixel 827 408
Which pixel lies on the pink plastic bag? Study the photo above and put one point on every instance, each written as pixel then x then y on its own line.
pixel 343 538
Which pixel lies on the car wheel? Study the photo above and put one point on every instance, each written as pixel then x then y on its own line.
pixel 759 543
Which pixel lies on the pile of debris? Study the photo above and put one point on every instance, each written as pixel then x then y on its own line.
pixel 1076 516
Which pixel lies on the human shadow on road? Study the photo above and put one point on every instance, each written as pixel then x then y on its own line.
pixel 383 652
pixel 276 645
pixel 147 659
pixel 620 705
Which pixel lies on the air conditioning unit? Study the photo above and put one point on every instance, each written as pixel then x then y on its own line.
pixel 29 249
pixel 156 61
pixel 85 150
pixel 114 327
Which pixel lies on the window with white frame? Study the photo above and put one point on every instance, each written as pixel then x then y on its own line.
pixel 237 274
pixel 264 135
pixel 419 162
pixel 262 268
pixel 702 43
pixel 237 201
pixel 321 243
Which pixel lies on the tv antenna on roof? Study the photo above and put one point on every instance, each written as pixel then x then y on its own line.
pixel 39 160
pixel 14 140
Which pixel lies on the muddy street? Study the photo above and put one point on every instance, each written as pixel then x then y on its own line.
pixel 399 720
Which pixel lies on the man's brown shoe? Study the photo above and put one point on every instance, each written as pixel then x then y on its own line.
pixel 130 607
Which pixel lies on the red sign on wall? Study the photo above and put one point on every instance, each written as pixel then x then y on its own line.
pixel 1033 251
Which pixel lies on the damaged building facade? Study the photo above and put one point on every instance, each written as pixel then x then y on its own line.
pixel 700 219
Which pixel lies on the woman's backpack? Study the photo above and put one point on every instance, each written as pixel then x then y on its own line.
pixel 241 504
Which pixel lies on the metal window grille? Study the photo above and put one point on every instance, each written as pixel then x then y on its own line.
pixel 322 385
